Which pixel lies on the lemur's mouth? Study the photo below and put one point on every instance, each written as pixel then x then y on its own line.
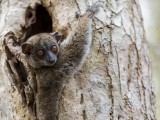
pixel 52 62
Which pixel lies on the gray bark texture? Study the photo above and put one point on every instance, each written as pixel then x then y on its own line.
pixel 115 81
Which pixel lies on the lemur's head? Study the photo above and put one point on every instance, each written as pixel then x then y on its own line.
pixel 42 49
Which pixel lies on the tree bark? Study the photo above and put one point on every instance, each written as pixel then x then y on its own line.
pixel 115 81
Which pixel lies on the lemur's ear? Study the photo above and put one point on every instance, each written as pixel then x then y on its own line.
pixel 26 48
pixel 59 37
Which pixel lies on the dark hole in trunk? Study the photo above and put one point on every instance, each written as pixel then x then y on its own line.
pixel 9 53
pixel 43 22
pixel 21 71
pixel 18 73
pixel 16 67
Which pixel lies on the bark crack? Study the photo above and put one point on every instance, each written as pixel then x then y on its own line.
pixel 82 99
pixel 77 5
pixel 129 72
pixel 119 74
pixel 141 89
pixel 110 86
pixel 84 115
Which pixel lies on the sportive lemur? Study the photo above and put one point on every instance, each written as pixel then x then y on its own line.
pixel 54 61
pixel 45 49
pixel 42 49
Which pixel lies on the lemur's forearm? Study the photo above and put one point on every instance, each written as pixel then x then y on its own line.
pixel 78 46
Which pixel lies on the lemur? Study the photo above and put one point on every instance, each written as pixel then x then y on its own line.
pixel 54 62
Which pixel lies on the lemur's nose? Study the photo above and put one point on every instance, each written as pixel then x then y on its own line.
pixel 51 60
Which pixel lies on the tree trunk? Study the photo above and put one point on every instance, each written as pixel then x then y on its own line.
pixel 114 82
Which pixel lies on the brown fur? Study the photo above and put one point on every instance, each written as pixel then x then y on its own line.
pixel 70 57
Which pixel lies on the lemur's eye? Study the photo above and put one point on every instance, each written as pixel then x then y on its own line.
pixel 54 48
pixel 40 52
